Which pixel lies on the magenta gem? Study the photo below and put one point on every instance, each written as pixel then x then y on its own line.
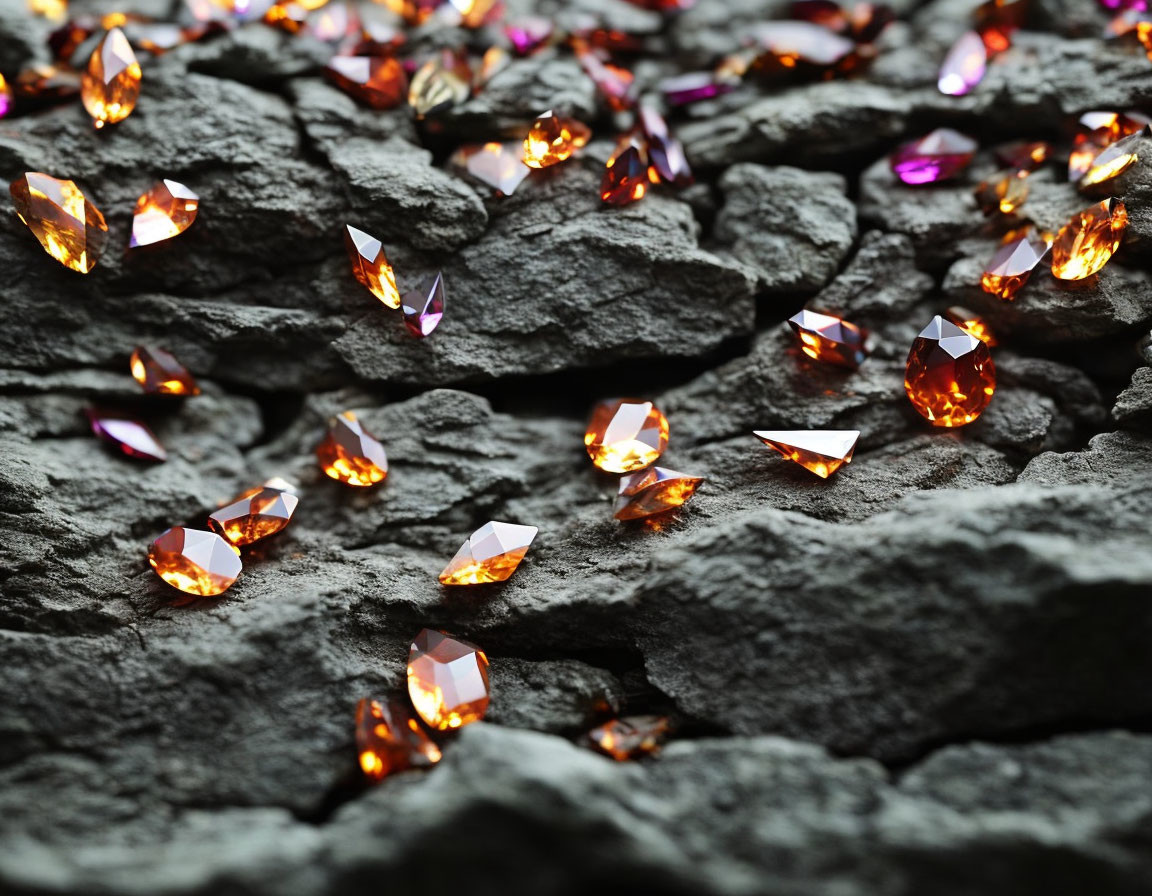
pixel 423 308
pixel 130 435
pixel 940 155
pixel 1141 5
pixel 528 35
pixel 665 152
pixel 5 101
pixel 964 66
pixel 693 87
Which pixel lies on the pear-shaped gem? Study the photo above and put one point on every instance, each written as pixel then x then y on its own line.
pixel 111 85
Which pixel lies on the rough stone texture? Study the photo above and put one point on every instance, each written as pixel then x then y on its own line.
pixel 928 674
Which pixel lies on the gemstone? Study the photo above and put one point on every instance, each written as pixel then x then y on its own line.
pixel 963 68
pixel 165 211
pixel 940 155
pixel 439 84
pixel 47 82
pixel 630 737
pixel 334 22
pixel 287 15
pixel 1115 158
pixel 827 13
pixel 867 21
pixel 625 435
pixel 350 454
pixel 972 323
pixel 1024 155
pixel 1012 265
pixel 1097 131
pixel 494 61
pixel 499 165
pixel 379 34
pixel 1007 14
pixel 616 85
pixel 130 435
pixel 693 87
pixel 491 554
pixel 1002 196
pixel 553 139
pixel 528 35
pixel 111 85
pixel 66 40
pixel 370 267
pixel 793 44
pixel 1084 245
pixel 158 38
pixel 423 308
pixel 666 159
pixel 376 81
pixel 477 13
pixel 831 339
pixel 413 12
pixel 950 377
pixel 68 226
pixel 53 10
pixel 652 491
pixel 254 515
pixel 447 680
pixel 195 561
pixel 626 176
pixel 5 97
pixel 389 739
pixel 158 373
pixel 823 452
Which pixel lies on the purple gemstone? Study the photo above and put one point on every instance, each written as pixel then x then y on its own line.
pixel 693 87
pixel 1124 4
pixel 127 433
pixel 424 308
pixel 5 101
pixel 940 155
pixel 665 152
pixel 964 66
pixel 528 35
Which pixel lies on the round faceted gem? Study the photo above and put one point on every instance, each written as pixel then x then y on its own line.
pixel 630 737
pixel 939 156
pixel 963 68
pixel 254 515
pixel 1012 265
pixel 652 491
pixel 553 139
pixel 349 454
pixel 194 561
pixel 491 554
pixel 447 680
pixel 950 377
pixel 389 739
pixel 626 434
pixel 128 434
pixel 1116 158
pixel 370 267
pixel 70 228
pixel 165 211
pixel 376 81
pixel 159 373
pixel 111 85
pixel 831 339
pixel 1086 243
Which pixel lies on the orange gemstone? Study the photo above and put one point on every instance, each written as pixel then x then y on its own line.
pixel 626 434
pixel 54 10
pixel 287 15
pixel 158 373
pixel 68 226
pixel 823 452
pixel 1116 158
pixel 196 562
pixel 351 455
pixel 971 322
pixel 652 491
pixel 165 211
pixel 47 82
pixel 389 739
pixel 831 339
pixel 370 267
pixel 442 82
pixel 491 554
pixel 254 515
pixel 950 377
pixel 477 13
pixel 1004 195
pixel 553 139
pixel 1012 265
pixel 447 680
pixel 626 176
pixel 630 737
pixel 376 81
pixel 111 86
pixel 1099 130
pixel 1084 245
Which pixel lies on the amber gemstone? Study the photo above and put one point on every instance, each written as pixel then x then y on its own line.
pixel 53 10
pixel 424 308
pixel 625 435
pixel 165 211
pixel 652 491
pixel 823 452
pixel 442 82
pixel 491 554
pixel 5 97
pixel 553 139
pixel 287 15
pixel 939 156
pixel 131 436
pixel 376 81
pixel 47 82
pixel 349 454
pixel 389 739
pixel 1099 130
pixel 1012 265
pixel 630 737
pixel 1024 156
pixel 1084 245
pixel 950 377
pixel 111 85
pixel 447 680
pixel 68 226
pixel 617 85
pixel 1116 158
pixel 414 12
pixel 494 61
pixel 666 159
pixel 800 45
pixel 1002 196
pixel 370 267
pixel 194 561
pixel 158 373
pixel 831 339
pixel 971 322
pixel 499 165
pixel 963 68
pixel 254 515
pixel 626 175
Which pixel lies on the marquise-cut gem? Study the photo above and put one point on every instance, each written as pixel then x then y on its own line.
pixel 822 452
pixel 491 554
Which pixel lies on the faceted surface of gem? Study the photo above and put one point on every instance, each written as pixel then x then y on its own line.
pixel 963 68
pixel 68 226
pixel 499 165
pixel 351 455
pixel 194 561
pixel 5 97
pixel 111 85
pixel 254 515
pixel 630 737
pixel 491 554
pixel 159 373
pixel 529 34
pixel 693 87
pixel 1117 158
pixel 165 211
pixel 626 434
pixel 971 322
pixel 376 81
pixel 626 175
pixel 423 308
pixel 652 491
pixel 790 44
pixel 438 85
pixel 939 156
pixel 823 452
pixel 617 85
pixel 447 680
pixel 1002 196
pixel 1098 130
pixel 47 82
pixel 1086 243
pixel 831 339
pixel 1024 155
pixel 370 267
pixel 1012 265
pixel 553 139
pixel 666 159
pixel 389 739
pixel 950 377
pixel 128 434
